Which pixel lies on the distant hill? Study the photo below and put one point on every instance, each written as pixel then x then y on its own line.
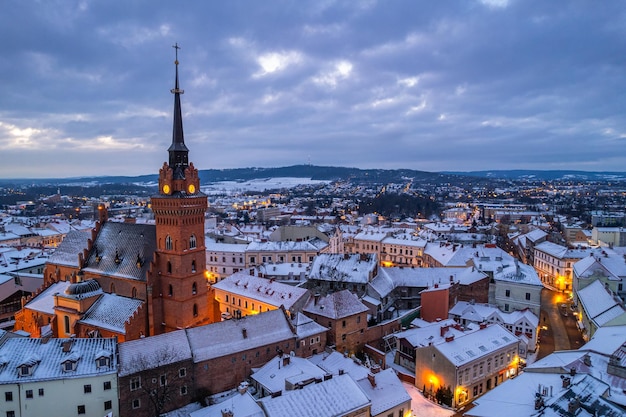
pixel 562 175
pixel 354 175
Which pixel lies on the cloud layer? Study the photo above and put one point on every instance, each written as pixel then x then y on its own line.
pixel 455 85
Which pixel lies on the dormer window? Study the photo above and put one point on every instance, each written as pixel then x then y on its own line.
pixel 102 362
pixel 69 365
pixel 27 367
pixel 26 370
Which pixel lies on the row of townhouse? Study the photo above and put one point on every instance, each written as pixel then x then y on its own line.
pixel 225 259
pixel 554 264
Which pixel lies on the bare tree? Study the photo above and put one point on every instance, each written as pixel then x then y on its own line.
pixel 163 377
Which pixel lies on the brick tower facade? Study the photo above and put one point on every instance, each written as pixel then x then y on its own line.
pixel 179 292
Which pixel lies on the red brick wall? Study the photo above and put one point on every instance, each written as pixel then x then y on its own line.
pixel 227 372
pixel 173 389
pixel 435 304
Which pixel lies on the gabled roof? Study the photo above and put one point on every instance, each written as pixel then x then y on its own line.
pixel 154 351
pixel 73 244
pixel 387 393
pixel 330 398
pixel 598 304
pixel 343 268
pixel 111 312
pixel 122 250
pixel 471 346
pixel 44 302
pixel 223 338
pixel 265 290
pixel 306 327
pixel 336 305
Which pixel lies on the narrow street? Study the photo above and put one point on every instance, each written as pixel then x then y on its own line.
pixel 560 331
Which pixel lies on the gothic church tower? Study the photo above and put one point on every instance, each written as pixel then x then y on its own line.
pixel 179 293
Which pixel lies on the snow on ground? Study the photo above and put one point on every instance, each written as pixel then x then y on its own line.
pixel 261 184
pixel 421 407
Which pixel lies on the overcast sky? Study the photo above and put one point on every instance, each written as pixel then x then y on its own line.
pixel 427 85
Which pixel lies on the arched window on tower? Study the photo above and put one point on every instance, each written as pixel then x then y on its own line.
pixel 170 291
pixel 66 321
pixel 192 242
pixel 134 292
pixel 169 267
pixel 193 266
pixel 194 288
pixel 195 310
pixel 168 243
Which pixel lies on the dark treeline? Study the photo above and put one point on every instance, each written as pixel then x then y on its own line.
pixel 400 205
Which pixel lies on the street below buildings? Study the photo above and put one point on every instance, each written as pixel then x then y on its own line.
pixel 558 330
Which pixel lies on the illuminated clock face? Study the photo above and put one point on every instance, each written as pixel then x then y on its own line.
pixel 166 189
pixel 191 188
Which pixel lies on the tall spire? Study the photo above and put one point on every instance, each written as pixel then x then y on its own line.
pixel 179 154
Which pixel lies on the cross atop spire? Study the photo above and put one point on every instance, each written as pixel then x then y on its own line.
pixel 175 46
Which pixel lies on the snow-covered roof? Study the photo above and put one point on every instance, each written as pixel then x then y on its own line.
pixel 306 327
pixel 44 302
pixel 282 368
pixel 111 312
pixel 336 305
pixel 67 251
pixel 45 357
pixel 471 346
pixel 344 268
pixel 333 397
pixel 386 392
pixel 212 246
pixel 337 363
pixel 241 405
pixel 265 290
pixel 518 273
pixel 598 304
pixel 282 246
pixel 431 333
pixel 122 250
pixel 517 396
pixel 223 338
pixel 154 351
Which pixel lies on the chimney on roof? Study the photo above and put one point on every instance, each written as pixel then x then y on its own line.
pixel 242 388
pixel 587 359
pixel 573 405
pixel 67 346
pixel 227 413
pixel 538 401
pixel 244 332
pixel 372 379
pixel 316 298
pixel 450 338
pixel 375 368
pixel 443 330
pixel 286 360
pixel 572 371
pixel 566 381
